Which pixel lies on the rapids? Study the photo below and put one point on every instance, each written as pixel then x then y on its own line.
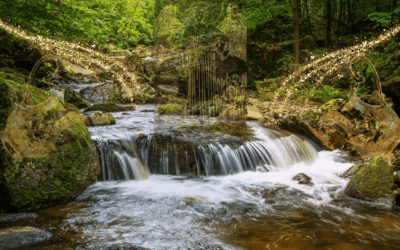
pixel 228 204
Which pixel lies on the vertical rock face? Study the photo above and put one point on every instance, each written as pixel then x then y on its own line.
pixel 46 154
pixel 374 182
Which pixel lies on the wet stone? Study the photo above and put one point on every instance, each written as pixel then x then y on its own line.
pixel 112 247
pixel 351 172
pixel 303 179
pixel 17 217
pixel 22 237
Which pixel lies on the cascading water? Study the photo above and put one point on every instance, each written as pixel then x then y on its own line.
pixel 136 156
pixel 118 163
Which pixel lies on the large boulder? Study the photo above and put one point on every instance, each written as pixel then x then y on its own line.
pixel 46 155
pixel 356 126
pixel 75 98
pixel 353 170
pixel 101 93
pixel 373 182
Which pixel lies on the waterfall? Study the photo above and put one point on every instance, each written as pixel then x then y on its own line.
pixel 169 154
pixel 119 161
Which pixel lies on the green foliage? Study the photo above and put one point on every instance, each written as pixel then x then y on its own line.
pixel 381 18
pixel 125 23
pixel 327 94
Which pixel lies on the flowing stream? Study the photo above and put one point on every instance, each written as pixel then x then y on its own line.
pixel 233 193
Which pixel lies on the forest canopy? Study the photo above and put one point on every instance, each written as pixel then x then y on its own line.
pixel 124 23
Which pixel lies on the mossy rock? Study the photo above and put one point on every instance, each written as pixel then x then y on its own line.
pixel 373 182
pixel 170 109
pixel 12 90
pixel 99 118
pixel 46 155
pixel 75 98
pixel 109 107
pixel 311 117
pixel 179 101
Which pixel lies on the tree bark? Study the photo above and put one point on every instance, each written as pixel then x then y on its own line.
pixel 328 22
pixel 349 18
pixel 338 32
pixel 308 17
pixel 296 57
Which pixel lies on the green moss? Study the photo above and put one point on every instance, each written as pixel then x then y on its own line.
pixel 149 91
pixel 142 97
pixel 373 181
pixel 170 108
pixel 332 105
pixel 75 98
pixel 12 90
pixel 109 107
pixel 311 116
pixel 56 177
pixel 179 101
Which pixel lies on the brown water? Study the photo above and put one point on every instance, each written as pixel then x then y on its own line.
pixel 231 213
pixel 246 210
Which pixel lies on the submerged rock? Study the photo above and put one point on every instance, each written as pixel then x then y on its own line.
pixel 46 155
pixel 22 237
pixel 109 107
pixel 17 217
pixel 99 118
pixel 112 247
pixel 75 98
pixel 303 179
pixel 373 182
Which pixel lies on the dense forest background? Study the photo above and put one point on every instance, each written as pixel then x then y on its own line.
pixel 323 26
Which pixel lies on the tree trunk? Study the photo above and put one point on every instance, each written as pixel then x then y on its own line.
pixel 349 18
pixel 328 22
pixel 308 17
pixel 296 57
pixel 338 32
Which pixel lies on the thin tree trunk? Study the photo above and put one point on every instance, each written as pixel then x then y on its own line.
pixel 328 22
pixel 338 32
pixel 349 18
pixel 296 58
pixel 308 17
